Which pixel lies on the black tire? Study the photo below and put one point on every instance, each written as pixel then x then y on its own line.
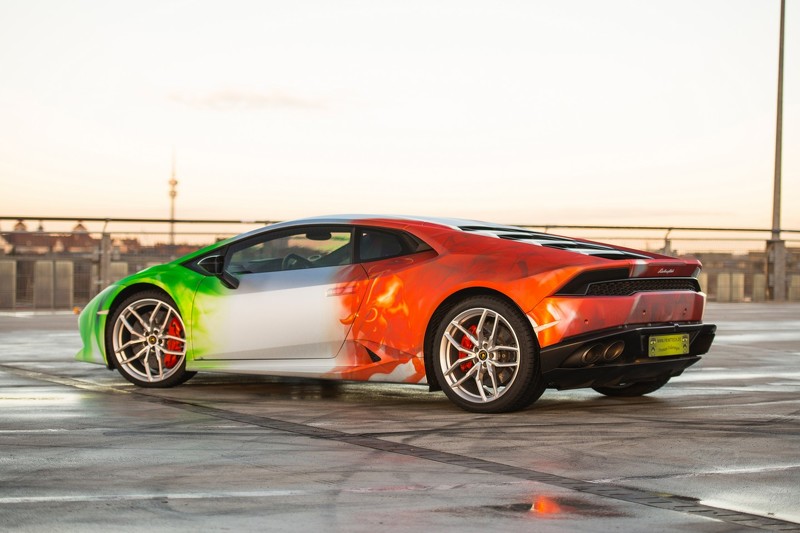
pixel 146 340
pixel 500 373
pixel 630 390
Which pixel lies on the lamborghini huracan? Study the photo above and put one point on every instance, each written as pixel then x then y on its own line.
pixel 490 314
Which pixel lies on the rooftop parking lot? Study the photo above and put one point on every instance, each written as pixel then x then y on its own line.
pixel 715 450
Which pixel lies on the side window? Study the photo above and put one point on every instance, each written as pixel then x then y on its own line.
pixel 310 247
pixel 375 244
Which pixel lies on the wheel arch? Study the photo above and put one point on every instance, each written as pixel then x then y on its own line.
pixel 433 324
pixel 117 300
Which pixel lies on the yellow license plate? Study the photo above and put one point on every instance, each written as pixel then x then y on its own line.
pixel 663 345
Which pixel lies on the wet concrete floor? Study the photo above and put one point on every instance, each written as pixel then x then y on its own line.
pixel 718 449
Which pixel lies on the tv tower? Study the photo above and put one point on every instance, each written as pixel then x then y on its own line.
pixel 172 194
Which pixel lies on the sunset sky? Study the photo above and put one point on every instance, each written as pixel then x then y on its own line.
pixel 564 112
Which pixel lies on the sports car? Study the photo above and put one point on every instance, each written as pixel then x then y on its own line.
pixel 490 314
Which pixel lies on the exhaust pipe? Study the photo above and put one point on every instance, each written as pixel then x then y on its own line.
pixel 592 354
pixel 613 351
pixel 589 355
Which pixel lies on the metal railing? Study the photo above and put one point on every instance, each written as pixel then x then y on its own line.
pixel 65 265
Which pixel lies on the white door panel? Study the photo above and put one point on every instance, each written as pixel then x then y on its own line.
pixel 292 314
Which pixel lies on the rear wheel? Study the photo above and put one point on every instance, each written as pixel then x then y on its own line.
pixel 639 388
pixel 148 341
pixel 485 356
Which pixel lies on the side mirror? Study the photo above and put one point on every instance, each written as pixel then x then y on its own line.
pixel 215 265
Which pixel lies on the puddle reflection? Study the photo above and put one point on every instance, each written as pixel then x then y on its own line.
pixel 545 506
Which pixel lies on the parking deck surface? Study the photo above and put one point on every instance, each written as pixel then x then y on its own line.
pixel 718 449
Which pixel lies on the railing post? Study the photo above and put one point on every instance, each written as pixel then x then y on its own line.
pixel 105 261
pixel 8 284
pixel 667 243
pixel 776 270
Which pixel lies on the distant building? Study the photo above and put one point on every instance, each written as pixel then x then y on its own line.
pixel 176 250
pixel 20 241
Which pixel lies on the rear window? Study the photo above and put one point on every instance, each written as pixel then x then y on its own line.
pixel 376 244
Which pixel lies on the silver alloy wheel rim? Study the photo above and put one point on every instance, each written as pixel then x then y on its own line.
pixel 479 365
pixel 140 340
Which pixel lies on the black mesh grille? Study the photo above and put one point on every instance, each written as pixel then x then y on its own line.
pixel 631 286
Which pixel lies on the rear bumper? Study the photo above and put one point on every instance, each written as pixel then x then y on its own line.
pixel 563 370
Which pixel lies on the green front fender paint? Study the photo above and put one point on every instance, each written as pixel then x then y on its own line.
pixel 91 324
pixel 177 281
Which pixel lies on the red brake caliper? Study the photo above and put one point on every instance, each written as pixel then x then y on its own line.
pixel 467 344
pixel 174 330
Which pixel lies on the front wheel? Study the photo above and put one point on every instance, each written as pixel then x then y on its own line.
pixel 629 390
pixel 147 341
pixel 486 357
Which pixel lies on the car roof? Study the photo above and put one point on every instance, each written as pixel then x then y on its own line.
pixel 422 225
pixel 453 223
pixel 474 227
